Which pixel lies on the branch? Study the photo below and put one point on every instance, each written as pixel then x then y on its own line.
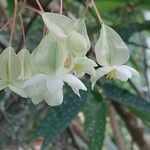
pixel 133 127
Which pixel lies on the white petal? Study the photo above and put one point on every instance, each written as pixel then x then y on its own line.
pixel 24 58
pixel 100 72
pixel 35 86
pixel 17 88
pixel 58 24
pixel 110 49
pixel 133 71
pixel 54 95
pixel 2 85
pixel 77 44
pixel 123 73
pixel 37 99
pixel 87 66
pixel 9 65
pixel 80 27
pixel 74 82
pixel 49 56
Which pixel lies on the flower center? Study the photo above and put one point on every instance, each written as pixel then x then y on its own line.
pixel 78 68
pixel 111 74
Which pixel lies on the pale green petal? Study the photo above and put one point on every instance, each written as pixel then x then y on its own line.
pixel 49 56
pixel 24 58
pixel 100 72
pixel 80 27
pixel 37 100
pixel 9 65
pixel 2 85
pixel 54 95
pixel 17 88
pixel 58 24
pixel 74 83
pixel 84 65
pixel 77 44
pixel 110 48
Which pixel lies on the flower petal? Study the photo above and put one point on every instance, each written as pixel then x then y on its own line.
pixel 54 95
pixel 49 56
pixel 87 66
pixel 133 71
pixel 77 44
pixel 16 87
pixel 9 65
pixel 35 86
pixel 100 72
pixel 80 27
pixel 123 73
pixel 24 58
pixel 74 82
pixel 58 24
pixel 110 49
pixel 2 85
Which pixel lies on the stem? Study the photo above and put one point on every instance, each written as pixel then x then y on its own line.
pixel 61 7
pixel 97 13
pixel 13 24
pixel 23 31
pixel 115 128
pixel 38 3
pixel 29 7
pixel 5 24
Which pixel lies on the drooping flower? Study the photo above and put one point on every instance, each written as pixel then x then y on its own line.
pixel 64 28
pixel 50 76
pixel 9 72
pixel 111 53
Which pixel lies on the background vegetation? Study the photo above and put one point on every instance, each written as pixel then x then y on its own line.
pixel 115 115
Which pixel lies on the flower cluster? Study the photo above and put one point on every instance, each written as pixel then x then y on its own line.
pixel 61 58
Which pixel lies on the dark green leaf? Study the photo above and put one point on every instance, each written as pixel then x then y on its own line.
pixel 59 117
pixel 124 97
pixel 95 121
pixel 10 6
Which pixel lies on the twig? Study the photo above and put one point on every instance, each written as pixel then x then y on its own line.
pixel 61 6
pixel 71 133
pixel 23 32
pixel 97 13
pixel 38 3
pixel 5 24
pixel 115 128
pixel 133 127
pixel 13 24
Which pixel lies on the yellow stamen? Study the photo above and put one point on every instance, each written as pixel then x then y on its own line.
pixel 112 74
pixel 78 68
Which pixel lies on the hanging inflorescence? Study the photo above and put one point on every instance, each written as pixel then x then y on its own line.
pixel 61 58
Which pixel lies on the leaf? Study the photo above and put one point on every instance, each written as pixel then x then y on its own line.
pixel 95 121
pixel 58 118
pixel 10 7
pixel 124 97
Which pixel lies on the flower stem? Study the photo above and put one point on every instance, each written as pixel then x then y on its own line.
pixel 38 3
pixel 23 31
pixel 13 24
pixel 97 13
pixel 61 7
pixel 29 7
pixel 5 24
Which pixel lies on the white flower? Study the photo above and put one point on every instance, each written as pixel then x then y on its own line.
pixel 47 84
pixel 74 33
pixel 9 72
pixel 50 87
pixel 111 53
